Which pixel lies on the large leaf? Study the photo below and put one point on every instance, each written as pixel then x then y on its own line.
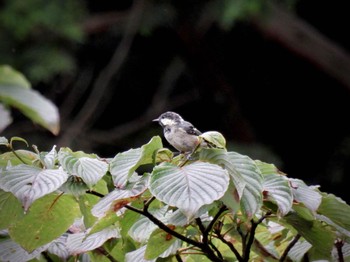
pixel 305 194
pixel 160 241
pixel 33 105
pixel 11 251
pixel 189 187
pixel 251 200
pixel 82 242
pixel 222 158
pixel 116 199
pixel 29 183
pixel 48 218
pixel 315 232
pixel 11 209
pixel 137 255
pixel 336 210
pixel 87 167
pixel 276 187
pixel 124 164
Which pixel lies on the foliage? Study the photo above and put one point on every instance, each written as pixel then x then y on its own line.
pixel 144 204
pixel 43 33
pixel 15 91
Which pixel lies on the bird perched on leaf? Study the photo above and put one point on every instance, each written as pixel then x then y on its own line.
pixel 179 133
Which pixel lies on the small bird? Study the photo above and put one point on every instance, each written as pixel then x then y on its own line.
pixel 179 133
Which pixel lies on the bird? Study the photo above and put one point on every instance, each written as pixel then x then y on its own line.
pixel 181 134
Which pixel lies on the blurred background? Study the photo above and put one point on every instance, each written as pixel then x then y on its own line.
pixel 272 76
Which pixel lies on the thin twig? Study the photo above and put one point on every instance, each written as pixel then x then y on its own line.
pixel 289 247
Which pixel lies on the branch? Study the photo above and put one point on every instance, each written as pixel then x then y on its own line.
pixel 204 247
pixel 230 245
pixel 289 247
pixel 339 246
pixel 251 238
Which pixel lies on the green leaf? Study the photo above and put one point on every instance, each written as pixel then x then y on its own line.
pixel 137 255
pixel 251 200
pixel 9 76
pixel 315 232
pixel 124 164
pixel 189 187
pixel 335 209
pixel 276 187
pixel 82 242
pixel 214 139
pixel 116 199
pixel 87 167
pixel 305 194
pixel 48 218
pixel 29 183
pixel 33 105
pixel 160 241
pixel 11 209
pixel 12 159
pixel 222 158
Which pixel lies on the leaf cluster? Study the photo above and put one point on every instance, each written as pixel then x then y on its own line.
pixel 144 204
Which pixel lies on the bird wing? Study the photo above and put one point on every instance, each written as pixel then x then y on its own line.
pixel 190 129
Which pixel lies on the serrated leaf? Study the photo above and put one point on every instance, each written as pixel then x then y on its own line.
pixel 108 202
pixel 82 242
pixel 305 194
pixel 29 183
pixel 124 164
pixel 87 167
pixel 251 199
pixel 160 241
pixel 11 209
pixel 33 105
pixel 189 187
pixel 47 219
pixel 276 187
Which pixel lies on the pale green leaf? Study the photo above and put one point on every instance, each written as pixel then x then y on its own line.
pixel 29 183
pixel 12 251
pixel 276 187
pixel 124 164
pixel 137 255
pixel 48 218
pixel 251 199
pixel 33 105
pixel 82 242
pixel 59 248
pixel 5 117
pixel 115 199
pixel 214 139
pixel 9 158
pixel 87 167
pixel 223 159
pixel 10 76
pixel 299 250
pixel 189 187
pixel 305 194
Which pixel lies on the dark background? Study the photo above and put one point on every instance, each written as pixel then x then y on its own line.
pixel 272 99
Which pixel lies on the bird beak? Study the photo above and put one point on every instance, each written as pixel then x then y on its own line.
pixel 155 120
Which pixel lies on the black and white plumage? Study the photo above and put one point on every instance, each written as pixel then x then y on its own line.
pixel 179 133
